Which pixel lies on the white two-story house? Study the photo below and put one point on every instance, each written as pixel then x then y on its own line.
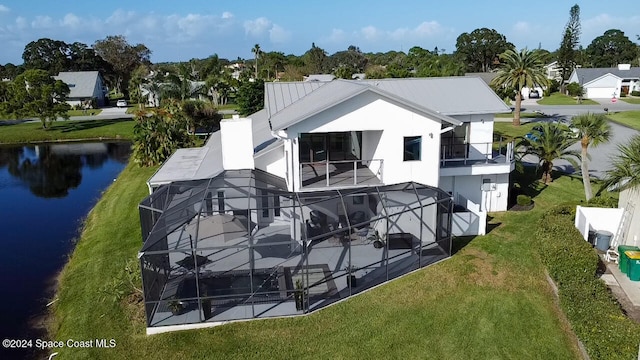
pixel 332 188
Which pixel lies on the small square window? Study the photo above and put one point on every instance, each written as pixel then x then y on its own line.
pixel 358 200
pixel 412 147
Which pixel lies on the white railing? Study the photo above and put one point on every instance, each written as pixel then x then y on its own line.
pixel 476 153
pixel 343 169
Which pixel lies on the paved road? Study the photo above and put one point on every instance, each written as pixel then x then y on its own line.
pixel 600 156
pixel 530 105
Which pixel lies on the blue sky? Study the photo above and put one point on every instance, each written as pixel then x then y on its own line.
pixel 181 30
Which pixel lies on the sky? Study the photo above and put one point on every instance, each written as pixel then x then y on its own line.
pixel 182 30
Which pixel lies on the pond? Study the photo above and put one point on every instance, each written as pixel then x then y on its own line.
pixel 45 193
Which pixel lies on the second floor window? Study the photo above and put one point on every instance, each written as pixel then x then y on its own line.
pixel 412 147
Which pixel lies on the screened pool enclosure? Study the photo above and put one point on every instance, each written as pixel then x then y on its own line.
pixel 240 246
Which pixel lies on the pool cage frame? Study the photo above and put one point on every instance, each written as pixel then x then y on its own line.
pixel 281 253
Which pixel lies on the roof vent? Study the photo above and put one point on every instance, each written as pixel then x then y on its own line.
pixel 624 66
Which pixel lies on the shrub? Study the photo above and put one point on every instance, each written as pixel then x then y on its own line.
pixel 635 93
pixel 603 201
pixel 623 95
pixel 595 315
pixel 523 200
pixel 574 89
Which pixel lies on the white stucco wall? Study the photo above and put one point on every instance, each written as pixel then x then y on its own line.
pixel 368 112
pixel 467 191
pixel 604 87
pixel 273 162
pixel 237 146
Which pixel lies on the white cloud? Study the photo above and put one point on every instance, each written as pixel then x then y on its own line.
pixel 227 15
pixel 522 27
pixel 71 21
pixel 370 32
pixel 257 27
pixel 42 22
pixel 279 35
pixel 21 23
pixel 427 28
pixel 337 36
pixel 4 9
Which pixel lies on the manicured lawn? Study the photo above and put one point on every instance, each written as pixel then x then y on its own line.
pixel 508 131
pixel 523 115
pixel 490 300
pixel 83 113
pixel 561 99
pixel 627 118
pixel 65 130
pixel 228 107
pixel 633 100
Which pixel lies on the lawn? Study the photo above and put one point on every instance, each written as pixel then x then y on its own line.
pixel 523 115
pixel 633 100
pixel 508 131
pixel 84 113
pixel 490 300
pixel 627 118
pixel 30 132
pixel 561 99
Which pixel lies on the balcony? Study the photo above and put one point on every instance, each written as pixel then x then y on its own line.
pixel 482 158
pixel 340 173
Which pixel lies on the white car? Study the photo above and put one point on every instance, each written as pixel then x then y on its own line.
pixel 121 103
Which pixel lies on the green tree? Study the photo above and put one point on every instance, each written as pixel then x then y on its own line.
pixel 36 93
pixel 593 129
pixel 47 54
pixel 481 48
pixel 520 69
pixel 256 54
pixel 250 97
pixel 84 58
pixel 201 115
pixel 123 56
pixel 625 170
pixel 567 53
pixel 574 89
pixel 549 142
pixel 314 59
pixel 610 49
pixel 158 133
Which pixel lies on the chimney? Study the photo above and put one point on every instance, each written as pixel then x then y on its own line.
pixel 236 138
pixel 624 66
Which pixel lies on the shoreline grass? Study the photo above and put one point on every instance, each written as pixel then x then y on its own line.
pixel 561 99
pixel 494 285
pixel 70 130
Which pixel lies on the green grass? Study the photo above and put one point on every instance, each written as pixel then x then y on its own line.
pixel 29 132
pixel 83 113
pixel 508 131
pixel 490 300
pixel 633 100
pixel 228 107
pixel 561 99
pixel 523 115
pixel 627 118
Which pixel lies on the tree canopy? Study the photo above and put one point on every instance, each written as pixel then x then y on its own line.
pixel 123 56
pixel 250 97
pixel 480 49
pixel 567 53
pixel 610 49
pixel 36 93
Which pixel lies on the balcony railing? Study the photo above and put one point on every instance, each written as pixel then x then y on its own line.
pixel 476 153
pixel 341 173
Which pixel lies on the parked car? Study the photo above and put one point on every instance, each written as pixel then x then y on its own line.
pixel 121 103
pixel 534 94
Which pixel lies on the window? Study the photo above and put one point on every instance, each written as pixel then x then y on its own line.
pixel 412 145
pixel 358 200
pixel 276 205
pixel 264 201
pixel 220 202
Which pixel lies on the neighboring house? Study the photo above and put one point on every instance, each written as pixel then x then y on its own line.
pixel 341 186
pixel 487 77
pixel 319 77
pixel 607 83
pixel 553 71
pixel 84 86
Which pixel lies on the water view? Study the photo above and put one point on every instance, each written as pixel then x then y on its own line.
pixel 45 192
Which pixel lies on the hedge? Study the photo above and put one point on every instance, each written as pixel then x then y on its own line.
pixel 594 314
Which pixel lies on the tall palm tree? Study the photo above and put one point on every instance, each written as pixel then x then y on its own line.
pixel 593 129
pixel 549 142
pixel 520 69
pixel 256 53
pixel 625 171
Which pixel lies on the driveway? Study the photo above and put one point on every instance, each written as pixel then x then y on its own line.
pixel 600 156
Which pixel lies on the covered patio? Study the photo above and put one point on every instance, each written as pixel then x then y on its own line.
pixel 239 246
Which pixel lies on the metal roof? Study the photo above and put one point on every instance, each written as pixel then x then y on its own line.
pixel 435 97
pixel 81 83
pixel 587 75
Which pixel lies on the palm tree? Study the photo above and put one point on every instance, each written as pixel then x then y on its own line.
pixel 520 69
pixel 256 52
pixel 625 171
pixel 549 142
pixel 593 129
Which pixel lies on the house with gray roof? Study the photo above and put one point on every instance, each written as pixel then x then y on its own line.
pixel 333 188
pixel 607 83
pixel 84 86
